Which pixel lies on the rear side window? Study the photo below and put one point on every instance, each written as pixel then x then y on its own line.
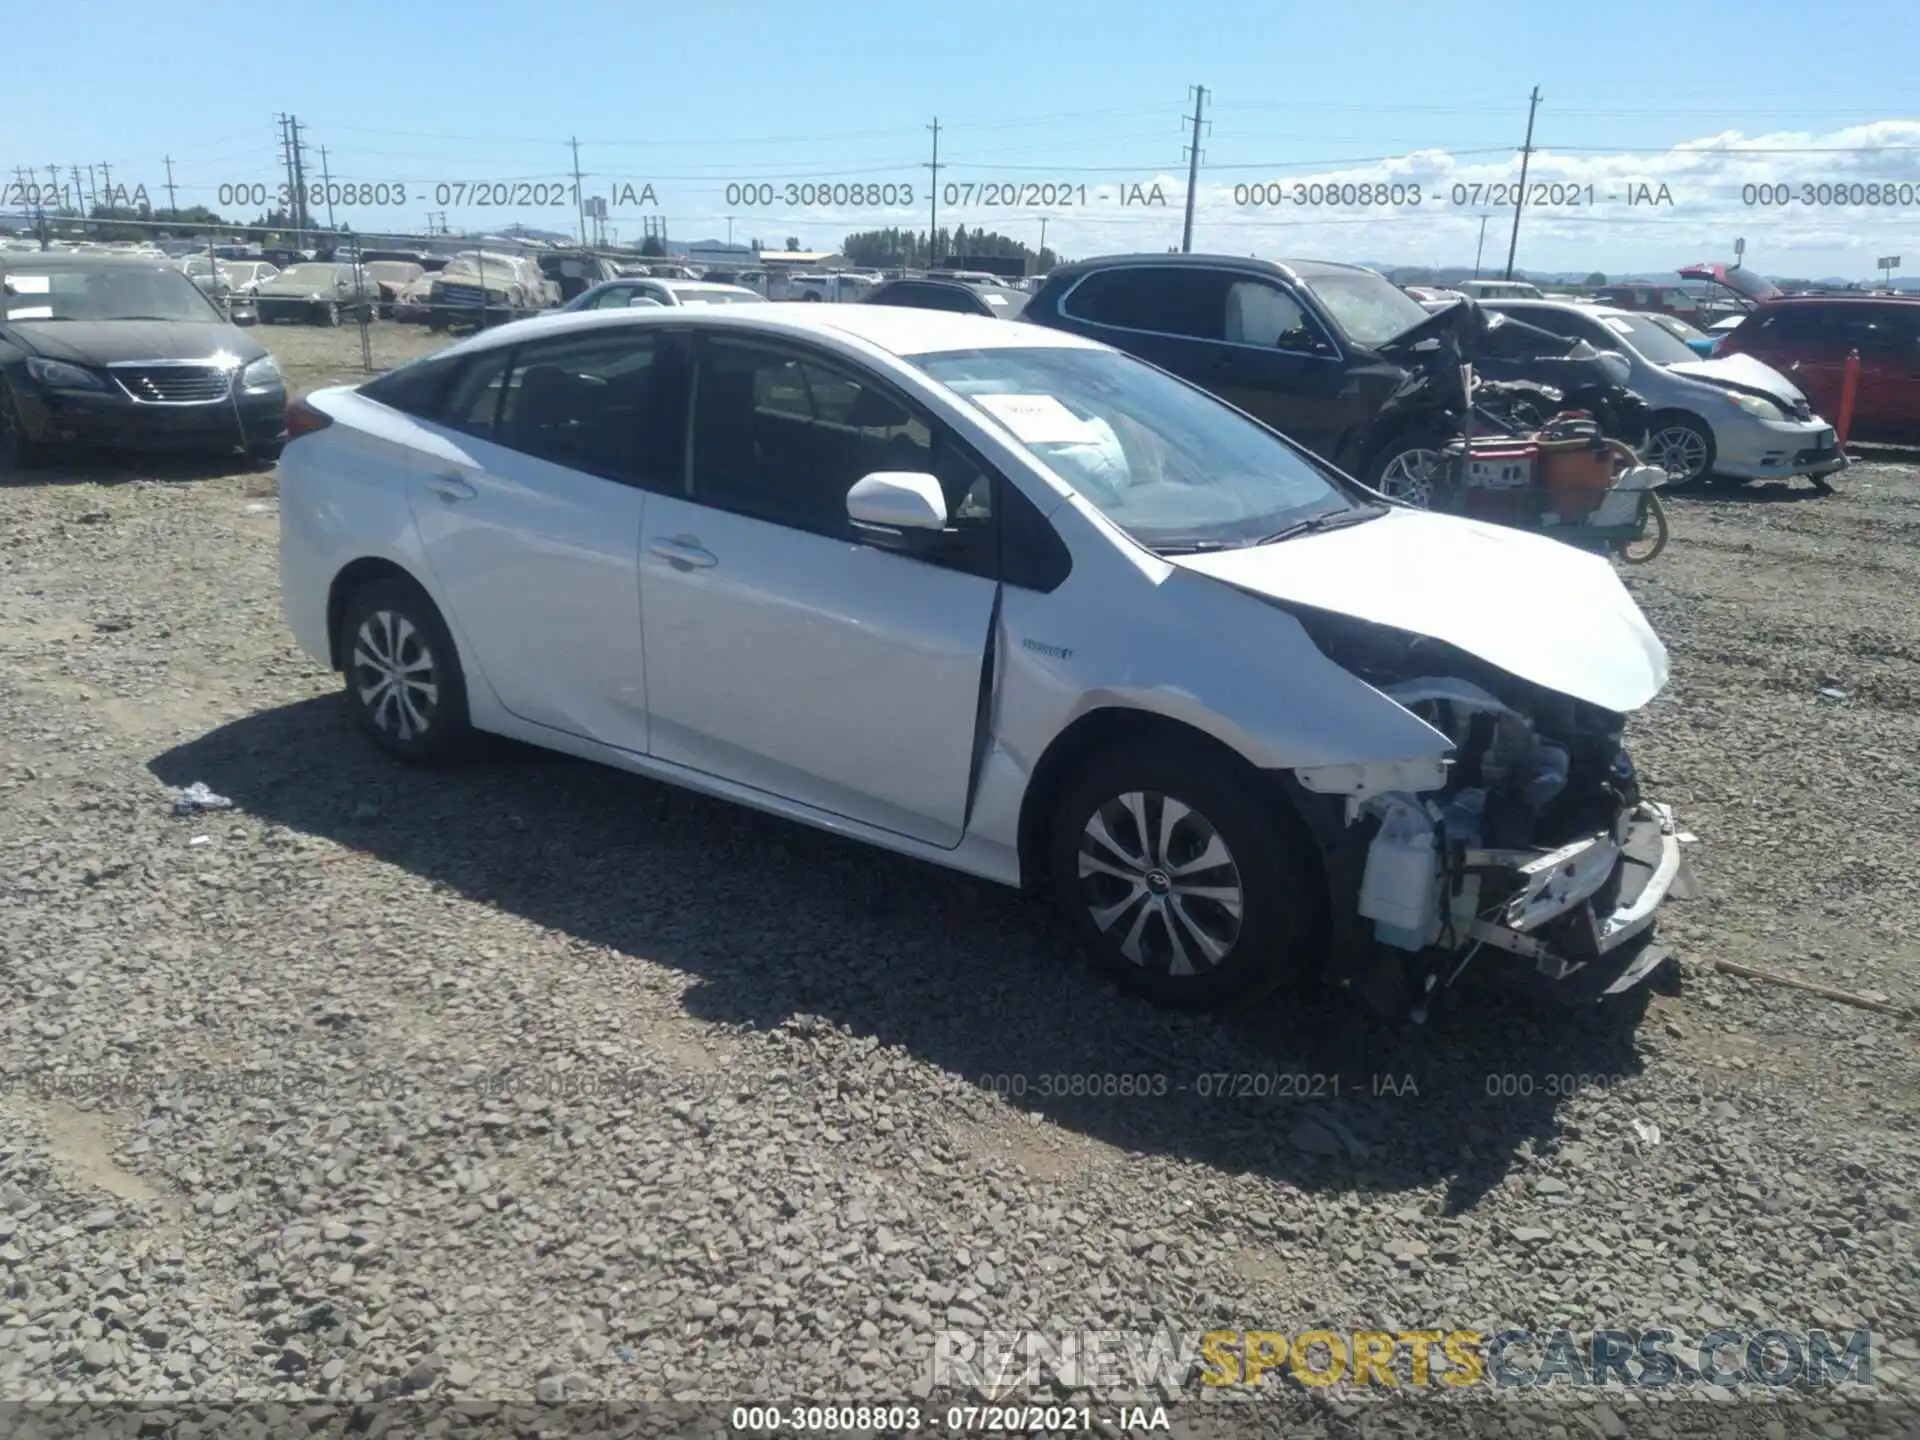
pixel 1879 329
pixel 474 402
pixel 1795 325
pixel 586 402
pixel 416 389
pixel 1180 300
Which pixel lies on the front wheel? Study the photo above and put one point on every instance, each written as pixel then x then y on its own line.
pixel 403 676
pixel 1182 877
pixel 1412 468
pixel 18 450
pixel 1681 445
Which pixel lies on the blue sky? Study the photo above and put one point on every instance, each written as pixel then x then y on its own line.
pixel 1066 93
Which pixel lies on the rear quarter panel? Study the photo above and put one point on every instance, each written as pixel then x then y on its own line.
pixel 343 497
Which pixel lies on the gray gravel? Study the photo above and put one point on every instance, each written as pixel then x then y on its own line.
pixel 534 1082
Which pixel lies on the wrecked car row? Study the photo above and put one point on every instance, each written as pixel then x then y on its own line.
pixel 1368 377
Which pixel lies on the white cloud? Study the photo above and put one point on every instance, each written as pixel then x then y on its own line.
pixel 1614 212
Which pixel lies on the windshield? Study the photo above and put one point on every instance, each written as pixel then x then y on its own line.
pixel 1650 339
pixel 309 274
pixel 131 292
pixel 1170 465
pixel 1676 327
pixel 1369 307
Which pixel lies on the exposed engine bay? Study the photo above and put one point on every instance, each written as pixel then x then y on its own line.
pixel 1536 841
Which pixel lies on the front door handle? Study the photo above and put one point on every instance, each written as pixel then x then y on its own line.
pixel 684 552
pixel 451 487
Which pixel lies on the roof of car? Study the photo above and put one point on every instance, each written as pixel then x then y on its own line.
pixel 1303 268
pixel 67 259
pixel 699 285
pixel 1582 307
pixel 1840 299
pixel 898 329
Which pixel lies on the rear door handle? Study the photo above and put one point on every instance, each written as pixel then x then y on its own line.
pixel 684 552
pixel 451 487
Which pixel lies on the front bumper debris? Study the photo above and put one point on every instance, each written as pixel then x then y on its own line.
pixel 1585 905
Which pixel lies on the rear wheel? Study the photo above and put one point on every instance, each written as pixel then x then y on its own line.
pixel 403 676
pixel 1182 879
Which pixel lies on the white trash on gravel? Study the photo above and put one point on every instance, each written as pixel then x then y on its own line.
pixel 195 798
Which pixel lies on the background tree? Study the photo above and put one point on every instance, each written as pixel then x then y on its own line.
pixel 1596 278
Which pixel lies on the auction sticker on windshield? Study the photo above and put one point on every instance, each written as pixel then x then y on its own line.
pixel 1038 419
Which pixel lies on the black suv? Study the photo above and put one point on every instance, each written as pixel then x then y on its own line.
pixel 1296 344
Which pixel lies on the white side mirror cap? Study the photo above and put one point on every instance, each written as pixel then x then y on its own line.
pixel 898 500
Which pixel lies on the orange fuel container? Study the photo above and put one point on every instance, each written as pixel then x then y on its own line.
pixel 1575 477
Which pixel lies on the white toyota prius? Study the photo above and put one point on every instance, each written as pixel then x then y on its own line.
pixel 1009 601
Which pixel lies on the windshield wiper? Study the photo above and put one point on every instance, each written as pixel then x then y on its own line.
pixel 1332 520
pixel 1192 547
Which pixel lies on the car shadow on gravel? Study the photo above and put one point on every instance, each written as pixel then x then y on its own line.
pixel 1758 492
pixel 776 921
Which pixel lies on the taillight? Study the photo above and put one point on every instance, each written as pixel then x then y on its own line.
pixel 304 419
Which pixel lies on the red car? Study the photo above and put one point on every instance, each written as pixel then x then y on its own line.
pixel 1807 339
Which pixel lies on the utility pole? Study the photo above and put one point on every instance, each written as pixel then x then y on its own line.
pixel 286 155
pixel 1481 246
pixel 173 206
pixel 1526 154
pixel 579 200
pixel 933 200
pixel 302 220
pixel 1193 168
pixel 106 184
pixel 1043 239
pixel 53 183
pixel 326 185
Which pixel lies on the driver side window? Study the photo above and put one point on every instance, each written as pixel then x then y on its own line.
pixel 783 437
pixel 1264 315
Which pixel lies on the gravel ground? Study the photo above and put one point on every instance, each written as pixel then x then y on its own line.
pixel 533 1081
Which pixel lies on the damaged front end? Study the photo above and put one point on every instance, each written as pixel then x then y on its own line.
pixel 1529 838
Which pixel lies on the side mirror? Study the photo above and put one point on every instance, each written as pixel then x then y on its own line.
pixel 899 510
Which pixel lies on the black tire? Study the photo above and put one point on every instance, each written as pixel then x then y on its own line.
pixel 1418 437
pixel 267 455
pixel 19 451
pixel 393 613
pixel 1675 422
pixel 1269 862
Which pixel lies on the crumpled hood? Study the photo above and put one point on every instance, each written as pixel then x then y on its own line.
pixel 1740 372
pixel 1538 609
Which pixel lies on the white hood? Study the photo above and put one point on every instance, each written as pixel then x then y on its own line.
pixel 1742 370
pixel 1538 609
